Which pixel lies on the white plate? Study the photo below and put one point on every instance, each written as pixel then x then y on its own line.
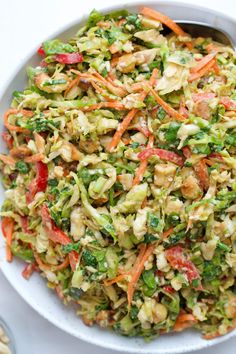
pixel 35 292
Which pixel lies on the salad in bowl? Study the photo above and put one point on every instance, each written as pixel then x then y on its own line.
pixel 120 177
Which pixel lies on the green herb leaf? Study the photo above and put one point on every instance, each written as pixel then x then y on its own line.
pixel 71 247
pixel 94 17
pixel 55 82
pixel 22 167
pixel 148 238
pixel 161 113
pixel 149 278
pixel 89 259
pixel 53 182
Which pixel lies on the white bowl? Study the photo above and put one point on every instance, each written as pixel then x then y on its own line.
pixel 35 292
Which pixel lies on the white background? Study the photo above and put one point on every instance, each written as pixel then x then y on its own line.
pixel 24 24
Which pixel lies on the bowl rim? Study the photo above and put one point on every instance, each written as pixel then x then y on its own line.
pixel 10 78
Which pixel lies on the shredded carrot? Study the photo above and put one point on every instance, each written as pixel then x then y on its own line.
pixel 111 77
pixel 184 320
pixel 112 104
pixel 14 128
pixel 34 158
pixel 54 268
pixel 216 67
pixel 168 232
pixel 143 165
pixel 123 274
pixel 98 78
pixel 8 160
pixel 138 86
pixel 119 277
pixel 126 121
pixel 167 108
pixel 158 16
pixel 101 91
pixel 115 89
pixel 121 129
pixel 7 230
pixel 203 71
pixel 203 62
pixel 71 85
pixel 138 267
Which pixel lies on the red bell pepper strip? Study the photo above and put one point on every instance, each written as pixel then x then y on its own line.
pixel 41 51
pixel 39 183
pixel 228 103
pixel 186 152
pixel 57 235
pixel 177 259
pixel 7 230
pixel 216 155
pixel 168 289
pixel 63 58
pixel 163 154
pixel 69 58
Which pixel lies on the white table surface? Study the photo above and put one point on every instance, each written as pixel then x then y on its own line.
pixel 18 37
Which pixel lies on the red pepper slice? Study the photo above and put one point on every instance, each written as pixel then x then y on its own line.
pixel 163 154
pixel 177 259
pixel 63 58
pixel 168 289
pixel 186 152
pixel 216 155
pixel 7 230
pixel 41 51
pixel 39 183
pixel 228 103
pixel 28 270
pixel 69 58
pixel 57 235
pixel 54 232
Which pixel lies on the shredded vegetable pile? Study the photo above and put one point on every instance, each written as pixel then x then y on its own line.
pixel 121 175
